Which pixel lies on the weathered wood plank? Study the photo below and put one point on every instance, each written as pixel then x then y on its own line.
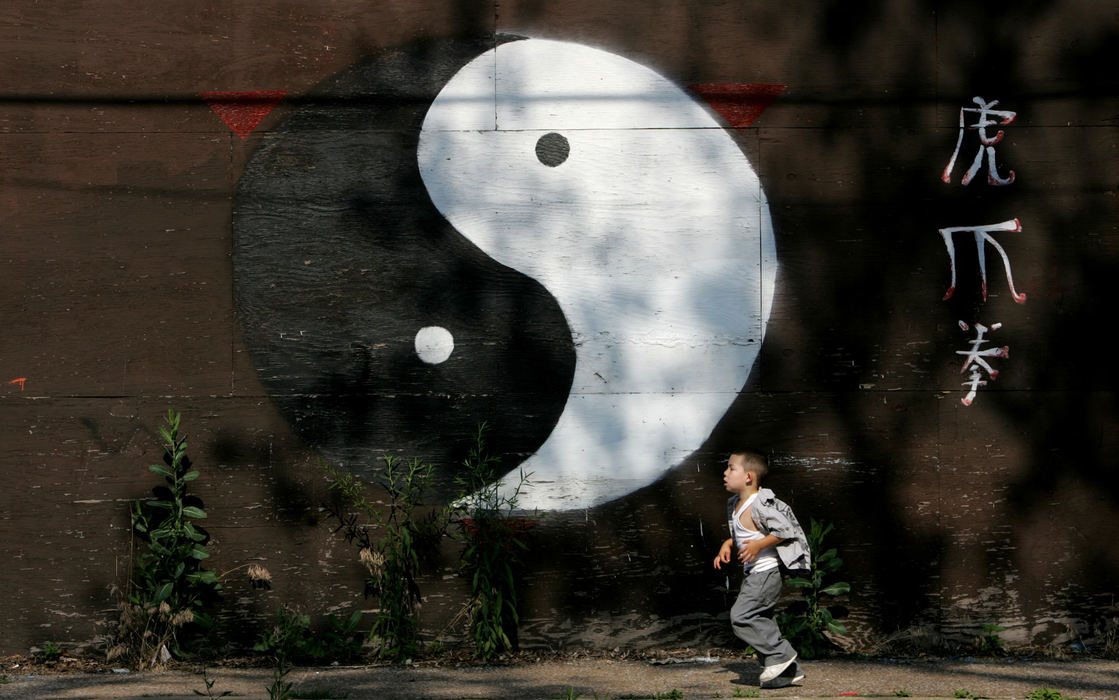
pixel 116 263
pixel 117 300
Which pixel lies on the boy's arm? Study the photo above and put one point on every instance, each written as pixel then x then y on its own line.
pixel 723 557
pixel 749 551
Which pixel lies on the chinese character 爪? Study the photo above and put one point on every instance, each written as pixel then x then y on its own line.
pixel 974 359
pixel 986 143
pixel 982 235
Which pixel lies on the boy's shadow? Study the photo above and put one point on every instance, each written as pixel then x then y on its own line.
pixel 748 672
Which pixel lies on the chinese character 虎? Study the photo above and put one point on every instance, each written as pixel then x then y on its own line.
pixel 986 143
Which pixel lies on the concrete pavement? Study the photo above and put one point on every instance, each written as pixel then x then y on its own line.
pixel 596 677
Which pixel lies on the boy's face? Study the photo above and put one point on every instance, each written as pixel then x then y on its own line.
pixel 736 477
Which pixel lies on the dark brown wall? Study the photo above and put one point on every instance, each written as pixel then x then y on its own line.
pixel 117 191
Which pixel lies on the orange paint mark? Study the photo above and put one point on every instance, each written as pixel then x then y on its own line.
pixel 739 103
pixel 19 381
pixel 243 111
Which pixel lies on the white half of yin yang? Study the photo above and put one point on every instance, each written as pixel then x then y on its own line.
pixel 654 237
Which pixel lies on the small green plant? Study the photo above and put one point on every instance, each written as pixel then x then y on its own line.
pixel 209 692
pixel 805 622
pixel 280 688
pixel 341 641
pixel 1108 626
pixel 901 693
pixel 493 540
pixel 393 561
pixel 289 637
pixel 673 694
pixel 1046 694
pixel 989 642
pixel 746 693
pixel 961 693
pixel 291 640
pixel 50 651
pixel 169 588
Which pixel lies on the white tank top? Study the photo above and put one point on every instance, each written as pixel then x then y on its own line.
pixel 767 558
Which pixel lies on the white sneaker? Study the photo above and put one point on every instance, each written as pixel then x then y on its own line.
pixel 785 680
pixel 771 672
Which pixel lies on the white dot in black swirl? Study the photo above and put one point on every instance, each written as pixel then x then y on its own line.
pixel 552 149
pixel 434 344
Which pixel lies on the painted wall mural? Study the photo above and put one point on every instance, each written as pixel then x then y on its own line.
pixel 338 231
pixel 552 237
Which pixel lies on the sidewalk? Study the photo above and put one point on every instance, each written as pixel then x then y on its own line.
pixel 696 677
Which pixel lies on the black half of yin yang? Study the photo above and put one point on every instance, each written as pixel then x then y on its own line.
pixel 340 259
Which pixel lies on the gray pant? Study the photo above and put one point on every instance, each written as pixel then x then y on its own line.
pixel 751 617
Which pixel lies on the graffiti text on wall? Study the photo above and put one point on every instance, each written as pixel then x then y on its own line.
pixel 984 112
pixel 975 358
pixel 982 238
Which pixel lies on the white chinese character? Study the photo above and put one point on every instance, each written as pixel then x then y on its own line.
pixel 986 143
pixel 982 236
pixel 975 360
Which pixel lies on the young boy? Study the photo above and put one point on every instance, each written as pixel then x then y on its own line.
pixel 766 534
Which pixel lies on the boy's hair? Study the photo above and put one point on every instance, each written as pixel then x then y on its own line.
pixel 755 462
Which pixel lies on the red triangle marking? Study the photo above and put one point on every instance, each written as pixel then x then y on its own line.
pixel 243 111
pixel 739 103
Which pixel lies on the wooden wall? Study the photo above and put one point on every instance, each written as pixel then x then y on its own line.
pixel 123 293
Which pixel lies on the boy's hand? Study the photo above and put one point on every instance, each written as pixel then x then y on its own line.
pixel 749 551
pixel 723 557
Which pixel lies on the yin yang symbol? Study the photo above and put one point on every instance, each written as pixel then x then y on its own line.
pixel 538 234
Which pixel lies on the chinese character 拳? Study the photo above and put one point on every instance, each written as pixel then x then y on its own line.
pixel 975 360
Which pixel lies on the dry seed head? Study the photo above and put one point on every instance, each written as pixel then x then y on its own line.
pixel 182 617
pixel 258 573
pixel 373 561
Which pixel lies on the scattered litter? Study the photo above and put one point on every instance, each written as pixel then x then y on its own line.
pixel 690 660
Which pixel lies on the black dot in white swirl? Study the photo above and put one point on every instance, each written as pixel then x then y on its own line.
pixel 552 149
